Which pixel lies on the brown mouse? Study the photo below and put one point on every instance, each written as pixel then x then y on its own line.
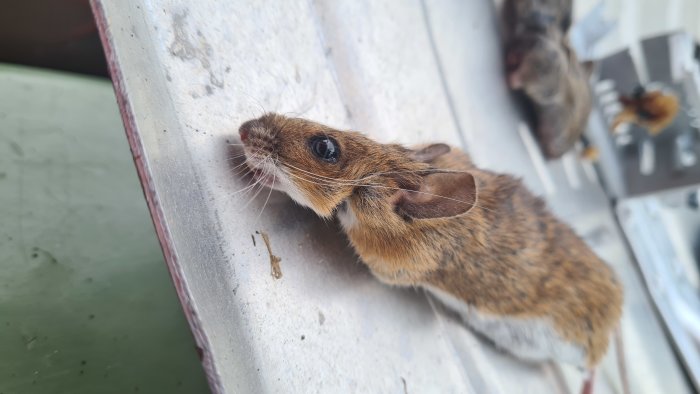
pixel 479 241
pixel 547 71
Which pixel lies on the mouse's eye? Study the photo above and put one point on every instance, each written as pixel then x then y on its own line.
pixel 325 148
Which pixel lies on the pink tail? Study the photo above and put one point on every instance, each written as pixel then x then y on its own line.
pixel 588 383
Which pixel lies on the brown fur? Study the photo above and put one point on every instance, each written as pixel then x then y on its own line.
pixel 654 110
pixel 503 253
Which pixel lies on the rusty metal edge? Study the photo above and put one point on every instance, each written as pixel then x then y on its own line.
pixel 157 215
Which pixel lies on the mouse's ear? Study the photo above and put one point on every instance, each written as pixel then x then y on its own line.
pixel 430 152
pixel 440 195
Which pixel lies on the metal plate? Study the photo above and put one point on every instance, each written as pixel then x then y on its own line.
pixel 187 74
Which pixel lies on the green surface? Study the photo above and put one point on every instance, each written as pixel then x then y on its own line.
pixel 86 303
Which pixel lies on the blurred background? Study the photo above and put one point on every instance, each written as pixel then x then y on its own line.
pixel 86 302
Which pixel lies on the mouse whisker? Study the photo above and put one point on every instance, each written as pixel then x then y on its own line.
pixel 427 170
pixel 239 168
pixel 339 181
pixel 256 102
pixel 319 180
pixel 259 182
pixel 235 156
pixel 239 164
pixel 269 193
pixel 359 184
pixel 238 171
pixel 249 186
pixel 359 181
pixel 396 188
pixel 260 186
pixel 391 188
pixel 343 182
pixel 241 172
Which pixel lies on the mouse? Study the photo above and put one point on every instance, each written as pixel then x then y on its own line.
pixel 426 217
pixel 538 16
pixel 546 70
pixel 652 109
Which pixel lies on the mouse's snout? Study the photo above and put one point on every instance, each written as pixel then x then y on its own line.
pixel 256 136
pixel 244 130
pixel 513 60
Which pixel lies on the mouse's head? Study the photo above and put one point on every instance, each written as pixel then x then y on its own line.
pixel 323 168
pixel 537 64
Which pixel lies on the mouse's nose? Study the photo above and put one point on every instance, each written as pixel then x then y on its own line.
pixel 244 130
pixel 244 134
pixel 513 59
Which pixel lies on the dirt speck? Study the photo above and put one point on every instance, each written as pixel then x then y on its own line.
pixel 189 47
pixel 321 318
pixel 274 260
pixel 16 149
pixel 37 252
pixel 303 337
pixel 29 342
pixel 405 388
pixel 91 316
pixel 253 237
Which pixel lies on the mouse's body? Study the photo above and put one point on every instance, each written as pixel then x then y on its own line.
pixel 427 217
pixel 511 269
pixel 547 71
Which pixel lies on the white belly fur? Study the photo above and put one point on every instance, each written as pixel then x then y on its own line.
pixel 346 217
pixel 532 339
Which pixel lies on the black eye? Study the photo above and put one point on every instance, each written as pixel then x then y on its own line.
pixel 325 148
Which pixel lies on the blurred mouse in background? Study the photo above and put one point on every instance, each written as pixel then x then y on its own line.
pixel 541 64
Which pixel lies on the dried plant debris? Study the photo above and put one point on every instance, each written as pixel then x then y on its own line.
pixel 274 260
